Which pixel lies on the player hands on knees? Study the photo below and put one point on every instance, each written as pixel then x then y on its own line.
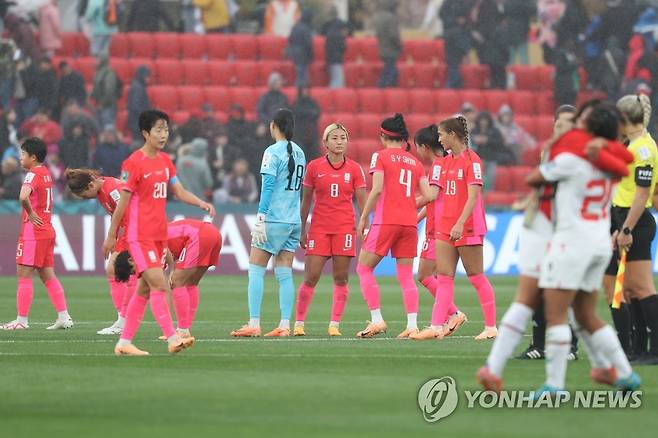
pixel 397 174
pixel 277 230
pixel 330 184
pixel 36 242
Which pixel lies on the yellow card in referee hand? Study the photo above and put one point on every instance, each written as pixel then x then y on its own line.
pixel 619 281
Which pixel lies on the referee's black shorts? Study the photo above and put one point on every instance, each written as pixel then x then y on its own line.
pixel 643 235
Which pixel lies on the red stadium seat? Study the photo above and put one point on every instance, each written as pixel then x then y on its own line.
pixel 371 73
pixel 475 75
pixel 545 75
pixel 346 119
pixel 545 103
pixel 290 93
pixel 420 50
pixel 191 98
pixel 319 76
pixel 244 46
pixel 396 100
pixel 519 174
pixel 420 101
pixel 371 100
pixel 271 48
pixel 221 73
pixel 530 157
pixel 528 123
pixel 352 50
pixel 369 49
pixel 246 73
pixel 526 77
pixel 69 44
pixel 503 181
pixel 194 46
pixel 163 97
pixel 122 119
pixel 415 122
pixel 83 45
pixel 218 46
pixel 345 100
pixel 86 67
pixel 544 128
pixel 169 72
pixel 353 74
pixel 246 97
pixel 499 199
pixel 142 44
pixel 123 69
pixel 353 151
pixel 447 101
pixel 427 75
pixel 318 48
pixel 523 102
pixel 367 147
pixel 195 72
pixel 368 126
pixel 167 45
pixel 265 68
pixel 180 117
pixel 135 63
pixel 406 77
pixel 324 97
pixel 494 99
pixel 119 47
pixel 218 98
pixel 474 97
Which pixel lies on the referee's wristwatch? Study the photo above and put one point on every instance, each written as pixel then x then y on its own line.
pixel 626 231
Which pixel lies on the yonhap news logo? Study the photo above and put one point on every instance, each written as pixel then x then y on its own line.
pixel 438 398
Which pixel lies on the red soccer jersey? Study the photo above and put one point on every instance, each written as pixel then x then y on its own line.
pixel 333 189
pixel 433 208
pixel 147 179
pixel 402 172
pixel 109 195
pixel 179 232
pixel 456 175
pixel 41 200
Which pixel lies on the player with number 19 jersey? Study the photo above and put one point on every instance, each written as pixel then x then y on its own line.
pixel 36 244
pixel 333 225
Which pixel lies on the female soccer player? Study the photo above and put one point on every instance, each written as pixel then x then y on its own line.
pixel 147 173
pixel 460 230
pixel 430 149
pixel 89 184
pixel 396 174
pixel 633 228
pixel 278 225
pixel 333 180
pixel 36 241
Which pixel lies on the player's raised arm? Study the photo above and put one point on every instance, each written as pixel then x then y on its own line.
pixel 190 198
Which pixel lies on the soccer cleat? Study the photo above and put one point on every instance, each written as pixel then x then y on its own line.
pixel 14 325
pixel 129 350
pixel 531 353
pixel 487 333
pixel 180 345
pixel 333 331
pixel 429 333
pixel 299 331
pixel 455 321
pixel 246 332
pixel 604 376
pixel 630 383
pixel 573 355
pixel 278 333
pixel 488 380
pixel 406 334
pixel 180 332
pixel 111 330
pixel 372 329
pixel 61 324
pixel 551 390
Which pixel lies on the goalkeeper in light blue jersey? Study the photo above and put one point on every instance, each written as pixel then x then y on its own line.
pixel 278 225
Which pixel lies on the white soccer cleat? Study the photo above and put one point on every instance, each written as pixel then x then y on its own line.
pixel 61 324
pixel 14 325
pixel 111 330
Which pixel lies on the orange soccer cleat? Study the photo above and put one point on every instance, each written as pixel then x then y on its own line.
pixel 407 333
pixel 333 331
pixel 373 328
pixel 455 321
pixel 129 350
pixel 489 381
pixel 180 345
pixel 246 332
pixel 604 376
pixel 278 333
pixel 429 333
pixel 487 333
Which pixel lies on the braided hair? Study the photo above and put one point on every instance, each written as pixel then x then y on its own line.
pixel 284 120
pixel 636 108
pixel 429 136
pixel 458 125
pixel 394 128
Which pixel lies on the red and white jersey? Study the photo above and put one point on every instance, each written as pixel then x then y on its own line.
pixel 582 198
pixel 457 174
pixel 433 209
pixel 41 199
pixel 402 172
pixel 147 179
pixel 333 190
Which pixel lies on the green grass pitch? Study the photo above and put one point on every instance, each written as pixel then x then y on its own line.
pixel 68 383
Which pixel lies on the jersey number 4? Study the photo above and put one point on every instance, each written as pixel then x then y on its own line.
pixel 405 180
pixel 595 206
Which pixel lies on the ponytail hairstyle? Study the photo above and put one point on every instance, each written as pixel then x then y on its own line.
pixel 284 120
pixel 458 125
pixel 394 128
pixel 78 180
pixel 636 108
pixel 429 136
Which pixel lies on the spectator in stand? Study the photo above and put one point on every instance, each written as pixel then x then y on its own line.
pixel 519 13
pixel 71 85
pixel 387 30
pixel 74 148
pixel 516 138
pixel 221 156
pixel 239 129
pixel 239 186
pixel 192 168
pixel 307 112
pixel 106 91
pixel 12 179
pixel 215 15
pixel 45 86
pixel 618 20
pixel 50 37
pixel 74 114
pixel 431 22
pixel 21 32
pixel 549 13
pixel 145 16
pixel 8 134
pixel 191 129
pixel 210 126
pixel 490 36
pixel 110 152
pixel 40 125
pixel 138 101
pixel 566 81
pixel 25 100
pixel 336 32
pixel 101 31
pixel 56 168
pixel 488 143
pixel 300 48
pixel 272 100
pixel 455 15
pixel 280 17
pixel 469 111
pixel 7 71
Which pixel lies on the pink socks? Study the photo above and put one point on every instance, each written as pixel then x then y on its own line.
pixel 130 290
pixel 487 298
pixel 182 306
pixel 430 284
pixel 409 290
pixel 339 301
pixel 24 296
pixel 117 292
pixel 445 296
pixel 134 316
pixel 193 293
pixel 161 313
pixel 304 296
pixel 56 294
pixel 369 286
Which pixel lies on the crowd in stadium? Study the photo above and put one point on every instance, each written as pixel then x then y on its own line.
pixel 84 102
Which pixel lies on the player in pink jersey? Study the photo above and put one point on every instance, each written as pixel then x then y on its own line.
pixel 333 180
pixel 460 230
pixel 36 242
pixel 89 184
pixel 396 176
pixel 147 174
pixel 431 150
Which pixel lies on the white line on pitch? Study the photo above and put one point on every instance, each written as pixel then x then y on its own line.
pixel 249 355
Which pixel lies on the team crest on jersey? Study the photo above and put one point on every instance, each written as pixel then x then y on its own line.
pixel 644 153
pixel 29 177
pixel 124 176
pixel 152 256
pixel 347 177
pixel 114 194
pixel 373 160
pixel 311 244
pixel 477 171
pixel 266 161
pixel 460 174
pixel 436 172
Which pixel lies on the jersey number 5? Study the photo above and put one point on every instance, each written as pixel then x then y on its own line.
pixel 595 206
pixel 405 180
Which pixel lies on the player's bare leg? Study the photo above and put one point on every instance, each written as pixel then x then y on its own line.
pixel 473 260
pixel 341 266
pixel 313 265
pixel 370 291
